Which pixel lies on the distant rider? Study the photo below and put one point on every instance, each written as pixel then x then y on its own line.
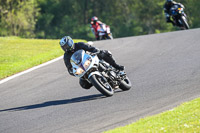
pixel 167 6
pixel 95 26
pixel 69 47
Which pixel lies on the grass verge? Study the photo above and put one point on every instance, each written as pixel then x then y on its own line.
pixel 183 119
pixel 18 54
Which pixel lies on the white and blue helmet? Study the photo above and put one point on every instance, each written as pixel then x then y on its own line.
pixel 169 1
pixel 67 44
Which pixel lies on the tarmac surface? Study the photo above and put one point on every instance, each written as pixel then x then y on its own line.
pixel 164 70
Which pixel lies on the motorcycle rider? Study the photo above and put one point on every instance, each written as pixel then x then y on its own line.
pixel 95 24
pixel 167 6
pixel 69 47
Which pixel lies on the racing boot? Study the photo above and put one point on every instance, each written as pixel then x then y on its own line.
pixel 118 67
pixel 113 63
pixel 107 56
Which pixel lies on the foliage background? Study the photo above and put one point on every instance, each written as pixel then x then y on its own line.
pixel 56 18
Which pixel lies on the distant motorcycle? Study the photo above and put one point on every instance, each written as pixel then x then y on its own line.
pixel 104 32
pixel 99 73
pixel 179 17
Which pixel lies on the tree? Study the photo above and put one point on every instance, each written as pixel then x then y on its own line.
pixel 57 18
pixel 18 17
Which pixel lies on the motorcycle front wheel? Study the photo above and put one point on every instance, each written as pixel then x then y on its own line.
pixel 101 84
pixel 184 22
pixel 109 37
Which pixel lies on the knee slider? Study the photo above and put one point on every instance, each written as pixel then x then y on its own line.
pixel 84 84
pixel 108 53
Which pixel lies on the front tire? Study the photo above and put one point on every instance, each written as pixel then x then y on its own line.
pixel 109 37
pixel 184 22
pixel 101 84
pixel 125 84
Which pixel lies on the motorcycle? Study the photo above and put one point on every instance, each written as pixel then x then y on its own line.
pixel 179 16
pixel 99 73
pixel 104 32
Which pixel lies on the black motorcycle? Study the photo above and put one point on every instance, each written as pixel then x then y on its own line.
pixel 179 17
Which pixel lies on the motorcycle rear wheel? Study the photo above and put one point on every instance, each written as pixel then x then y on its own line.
pixel 125 84
pixel 101 84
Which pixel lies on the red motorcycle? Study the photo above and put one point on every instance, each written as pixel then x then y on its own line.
pixel 104 32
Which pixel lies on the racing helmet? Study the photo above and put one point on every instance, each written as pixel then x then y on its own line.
pixel 94 18
pixel 67 44
pixel 169 1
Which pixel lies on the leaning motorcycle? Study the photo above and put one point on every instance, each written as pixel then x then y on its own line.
pixel 104 32
pixel 179 17
pixel 99 73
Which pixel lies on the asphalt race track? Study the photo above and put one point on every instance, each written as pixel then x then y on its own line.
pixel 164 70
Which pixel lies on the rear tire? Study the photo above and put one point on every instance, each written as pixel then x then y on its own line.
pixel 125 84
pixel 101 84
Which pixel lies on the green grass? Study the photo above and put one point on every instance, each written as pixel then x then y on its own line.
pixel 183 119
pixel 18 54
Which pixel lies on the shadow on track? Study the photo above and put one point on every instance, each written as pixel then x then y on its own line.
pixel 57 102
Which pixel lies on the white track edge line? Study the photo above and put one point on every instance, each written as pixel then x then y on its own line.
pixel 29 70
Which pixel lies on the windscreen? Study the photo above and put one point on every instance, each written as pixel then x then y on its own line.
pixel 174 7
pixel 77 57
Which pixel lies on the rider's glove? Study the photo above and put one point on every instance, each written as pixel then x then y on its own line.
pixel 96 53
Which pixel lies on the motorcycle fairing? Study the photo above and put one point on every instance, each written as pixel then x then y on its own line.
pixel 79 58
